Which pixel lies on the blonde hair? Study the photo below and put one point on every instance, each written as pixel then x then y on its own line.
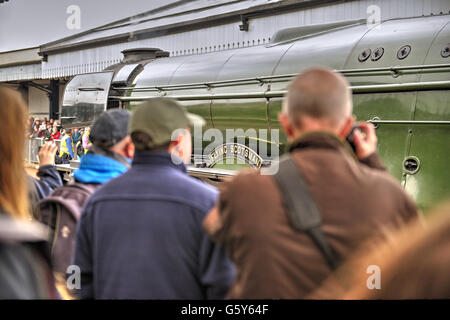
pixel 13 180
pixel 413 263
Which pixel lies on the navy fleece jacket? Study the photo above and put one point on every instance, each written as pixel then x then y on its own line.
pixel 140 236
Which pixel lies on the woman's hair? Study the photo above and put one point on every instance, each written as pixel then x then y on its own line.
pixel 412 263
pixel 13 180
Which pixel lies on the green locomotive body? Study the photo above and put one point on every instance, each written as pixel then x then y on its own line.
pixel 398 70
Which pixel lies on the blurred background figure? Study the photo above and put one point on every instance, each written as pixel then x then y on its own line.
pixel 77 142
pixel 66 150
pixel 25 271
pixel 34 132
pixel 56 135
pixel 37 123
pixel 48 132
pixel 85 139
pixel 413 263
pixel 43 125
pixel 76 136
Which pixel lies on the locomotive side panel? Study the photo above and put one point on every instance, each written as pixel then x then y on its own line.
pixel 426 167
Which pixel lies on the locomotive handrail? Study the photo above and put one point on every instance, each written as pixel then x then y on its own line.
pixel 376 88
pixel 242 95
pixel 261 80
pixel 210 172
pixel 408 122
pixel 91 89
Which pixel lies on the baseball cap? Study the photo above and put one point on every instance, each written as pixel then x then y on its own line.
pixel 159 117
pixel 110 128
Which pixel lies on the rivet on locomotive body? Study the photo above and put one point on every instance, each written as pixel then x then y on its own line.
pixel 445 52
pixel 363 56
pixel 377 54
pixel 403 52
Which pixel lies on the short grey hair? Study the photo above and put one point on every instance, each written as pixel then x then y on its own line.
pixel 319 93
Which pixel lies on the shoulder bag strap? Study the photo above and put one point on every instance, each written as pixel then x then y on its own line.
pixel 301 208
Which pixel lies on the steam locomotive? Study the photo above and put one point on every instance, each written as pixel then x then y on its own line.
pixel 398 71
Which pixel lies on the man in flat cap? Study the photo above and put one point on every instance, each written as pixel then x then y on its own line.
pixel 140 235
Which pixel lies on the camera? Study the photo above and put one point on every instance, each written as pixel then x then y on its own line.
pixel 350 137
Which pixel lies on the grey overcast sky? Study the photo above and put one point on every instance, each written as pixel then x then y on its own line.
pixel 29 23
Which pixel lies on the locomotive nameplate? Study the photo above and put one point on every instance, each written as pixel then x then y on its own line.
pixel 234 151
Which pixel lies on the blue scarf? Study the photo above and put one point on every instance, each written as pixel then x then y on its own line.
pixel 96 168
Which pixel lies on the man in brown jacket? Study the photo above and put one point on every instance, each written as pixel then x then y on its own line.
pixel 354 194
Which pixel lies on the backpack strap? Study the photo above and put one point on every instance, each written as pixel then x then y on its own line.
pixel 53 223
pixel 63 196
pixel 300 206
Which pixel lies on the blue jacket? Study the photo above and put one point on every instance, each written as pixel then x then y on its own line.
pixel 76 136
pixel 140 236
pixel 95 168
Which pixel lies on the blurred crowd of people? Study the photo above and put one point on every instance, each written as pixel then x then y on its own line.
pixel 73 142
pixel 43 128
pixel 136 226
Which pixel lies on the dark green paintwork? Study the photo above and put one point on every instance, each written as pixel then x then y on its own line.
pixel 431 145
pixel 392 139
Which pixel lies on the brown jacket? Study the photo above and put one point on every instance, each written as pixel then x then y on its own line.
pixel 357 200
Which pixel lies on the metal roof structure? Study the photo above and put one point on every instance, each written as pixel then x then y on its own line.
pixel 24 56
pixel 178 17
pixel 20 65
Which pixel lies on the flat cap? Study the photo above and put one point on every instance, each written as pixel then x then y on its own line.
pixel 159 118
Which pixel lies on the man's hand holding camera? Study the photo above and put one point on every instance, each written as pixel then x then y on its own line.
pixel 365 140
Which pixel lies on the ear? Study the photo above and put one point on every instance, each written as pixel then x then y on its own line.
pixel 179 146
pixel 346 127
pixel 286 124
pixel 182 146
pixel 173 144
pixel 128 148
